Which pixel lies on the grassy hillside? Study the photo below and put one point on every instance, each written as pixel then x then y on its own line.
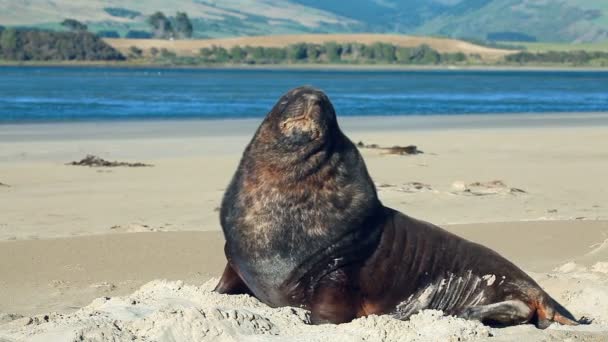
pixel 192 47
pixel 579 21
pixel 210 18
pixel 549 20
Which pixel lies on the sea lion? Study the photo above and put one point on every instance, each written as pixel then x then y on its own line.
pixel 304 227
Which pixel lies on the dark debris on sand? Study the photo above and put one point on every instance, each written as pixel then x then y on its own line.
pixel 4 185
pixel 398 150
pixel 94 161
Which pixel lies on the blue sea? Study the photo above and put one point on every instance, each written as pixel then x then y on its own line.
pixel 61 94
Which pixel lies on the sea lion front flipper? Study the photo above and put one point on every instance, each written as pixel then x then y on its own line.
pixel 333 300
pixel 510 312
pixel 231 283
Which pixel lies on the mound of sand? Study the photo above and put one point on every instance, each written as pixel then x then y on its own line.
pixel 171 311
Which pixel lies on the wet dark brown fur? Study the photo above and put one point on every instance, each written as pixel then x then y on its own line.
pixel 304 227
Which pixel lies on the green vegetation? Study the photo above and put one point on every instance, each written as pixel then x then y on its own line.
pixel 122 12
pixel 165 28
pixel 328 53
pixel 80 45
pixel 135 52
pixel 137 34
pixel 161 25
pixel 494 20
pixel 544 47
pixel 506 20
pixel 108 34
pixel 183 26
pixel 74 25
pixel 510 37
pixel 30 45
pixel 361 54
pixel 569 58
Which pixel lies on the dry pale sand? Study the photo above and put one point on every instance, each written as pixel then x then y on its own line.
pixel 560 165
pixel 192 47
pixel 71 234
pixel 57 276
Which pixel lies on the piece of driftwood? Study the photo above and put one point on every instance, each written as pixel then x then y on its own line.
pixel 94 161
pixel 398 150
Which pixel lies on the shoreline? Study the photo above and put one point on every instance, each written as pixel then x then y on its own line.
pixel 306 67
pixel 189 127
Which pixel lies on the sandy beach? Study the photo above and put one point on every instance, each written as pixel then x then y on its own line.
pixel 132 252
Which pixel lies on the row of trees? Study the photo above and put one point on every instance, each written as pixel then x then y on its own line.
pixel 25 45
pixel 576 58
pixel 331 52
pixel 162 27
pixel 74 25
pixel 178 27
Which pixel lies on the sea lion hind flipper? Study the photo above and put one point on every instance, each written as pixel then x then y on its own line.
pixel 510 312
pixel 550 311
pixel 231 283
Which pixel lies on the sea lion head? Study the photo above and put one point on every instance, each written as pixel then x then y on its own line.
pixel 303 119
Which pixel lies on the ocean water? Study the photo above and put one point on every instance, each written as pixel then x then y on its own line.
pixel 49 94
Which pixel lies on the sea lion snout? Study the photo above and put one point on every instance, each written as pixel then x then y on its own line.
pixel 306 110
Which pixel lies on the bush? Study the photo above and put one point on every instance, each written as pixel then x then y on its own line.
pixel 135 52
pixel 333 51
pixel 108 34
pixel 183 26
pixel 24 45
pixel 297 52
pixel 134 34
pixel 237 54
pixel 74 25
pixel 313 53
pixel 557 57
pixel 161 25
pixel 164 53
pixel 452 58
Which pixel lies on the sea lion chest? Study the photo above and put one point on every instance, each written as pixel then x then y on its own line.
pixel 276 226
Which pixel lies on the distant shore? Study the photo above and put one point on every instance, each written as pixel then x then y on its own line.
pixel 329 67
